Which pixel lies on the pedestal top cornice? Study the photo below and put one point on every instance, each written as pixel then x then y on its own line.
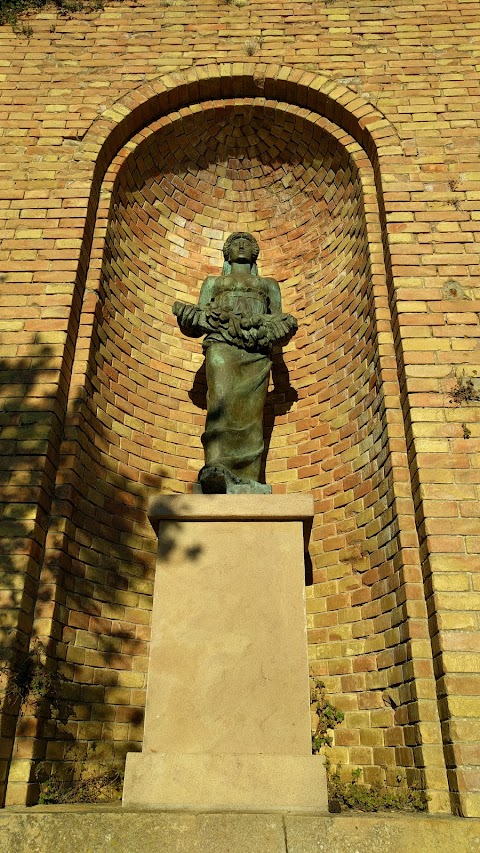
pixel 230 507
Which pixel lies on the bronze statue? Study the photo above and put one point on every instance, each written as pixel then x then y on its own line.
pixel 240 314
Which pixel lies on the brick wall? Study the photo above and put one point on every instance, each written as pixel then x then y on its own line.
pixel 130 153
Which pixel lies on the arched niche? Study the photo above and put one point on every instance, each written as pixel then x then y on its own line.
pixel 306 189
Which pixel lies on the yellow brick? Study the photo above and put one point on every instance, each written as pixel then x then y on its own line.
pixel 20 770
pixel 464 706
pixel 461 662
pixel 131 679
pixel 117 695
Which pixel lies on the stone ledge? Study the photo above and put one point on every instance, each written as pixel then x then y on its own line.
pixel 97 828
pixel 297 507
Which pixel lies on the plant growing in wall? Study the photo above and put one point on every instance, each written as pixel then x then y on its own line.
pixel 465 390
pixel 12 10
pixel 345 794
pixel 351 794
pixel 31 680
pixel 88 781
pixel 328 716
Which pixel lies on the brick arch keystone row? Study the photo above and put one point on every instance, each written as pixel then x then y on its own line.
pixel 126 116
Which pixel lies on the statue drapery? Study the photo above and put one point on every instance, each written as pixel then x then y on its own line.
pixel 240 314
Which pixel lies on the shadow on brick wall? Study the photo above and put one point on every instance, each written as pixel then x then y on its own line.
pixel 29 434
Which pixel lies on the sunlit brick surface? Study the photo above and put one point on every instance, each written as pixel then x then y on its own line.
pixel 360 409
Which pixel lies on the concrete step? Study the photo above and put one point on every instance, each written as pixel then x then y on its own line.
pixel 102 828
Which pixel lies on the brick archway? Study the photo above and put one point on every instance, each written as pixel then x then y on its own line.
pixel 358 133
pixel 122 119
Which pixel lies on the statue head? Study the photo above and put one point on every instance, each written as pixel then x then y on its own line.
pixel 241 235
pixel 231 246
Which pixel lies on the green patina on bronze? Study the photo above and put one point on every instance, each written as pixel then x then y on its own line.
pixel 240 314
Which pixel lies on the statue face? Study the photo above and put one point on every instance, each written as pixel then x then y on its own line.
pixel 241 249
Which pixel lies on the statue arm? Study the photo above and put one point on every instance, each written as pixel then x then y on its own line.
pixel 274 296
pixel 189 316
pixel 281 327
pixel 206 290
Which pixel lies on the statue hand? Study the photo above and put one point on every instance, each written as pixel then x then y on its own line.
pixel 280 328
pixel 188 317
pixel 276 329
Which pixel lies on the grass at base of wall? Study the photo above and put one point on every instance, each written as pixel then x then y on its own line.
pixel 352 795
pixel 92 787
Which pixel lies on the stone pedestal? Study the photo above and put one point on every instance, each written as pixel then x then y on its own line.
pixel 227 722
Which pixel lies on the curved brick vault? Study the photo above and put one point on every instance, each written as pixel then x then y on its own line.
pixel 161 96
pixel 305 187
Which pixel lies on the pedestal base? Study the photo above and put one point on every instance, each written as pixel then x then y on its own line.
pixel 227 718
pixel 283 783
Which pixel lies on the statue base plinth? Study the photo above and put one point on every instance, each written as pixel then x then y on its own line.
pixel 227 722
pixel 240 489
pixel 284 783
pixel 215 479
